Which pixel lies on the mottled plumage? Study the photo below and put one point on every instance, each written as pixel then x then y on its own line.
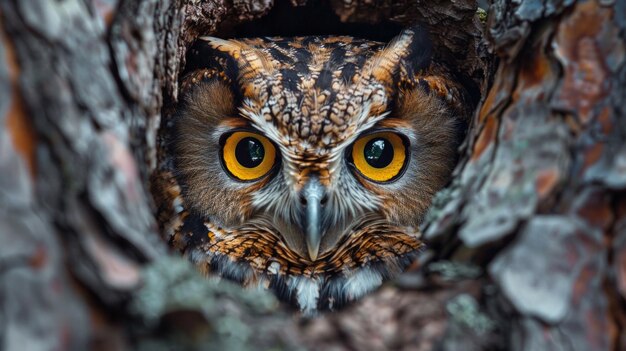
pixel 326 224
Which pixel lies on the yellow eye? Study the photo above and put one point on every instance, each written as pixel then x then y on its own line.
pixel 248 156
pixel 379 156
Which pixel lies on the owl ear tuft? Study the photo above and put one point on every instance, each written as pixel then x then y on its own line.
pixel 233 48
pixel 418 52
pixel 236 59
pixel 405 55
pixel 248 58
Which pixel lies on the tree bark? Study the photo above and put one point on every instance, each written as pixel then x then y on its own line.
pixel 527 246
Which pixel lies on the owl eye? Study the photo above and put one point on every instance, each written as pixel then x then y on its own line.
pixel 248 156
pixel 380 157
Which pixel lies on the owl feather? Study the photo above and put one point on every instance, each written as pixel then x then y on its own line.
pixel 350 139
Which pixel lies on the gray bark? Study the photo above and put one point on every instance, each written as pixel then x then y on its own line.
pixel 527 247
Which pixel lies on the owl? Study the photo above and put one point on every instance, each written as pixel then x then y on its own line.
pixel 305 165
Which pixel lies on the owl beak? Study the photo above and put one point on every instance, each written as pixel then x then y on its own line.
pixel 312 195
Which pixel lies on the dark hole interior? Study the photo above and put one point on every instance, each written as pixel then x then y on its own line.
pixel 315 18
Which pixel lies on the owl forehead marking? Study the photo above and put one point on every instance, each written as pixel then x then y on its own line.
pixel 315 89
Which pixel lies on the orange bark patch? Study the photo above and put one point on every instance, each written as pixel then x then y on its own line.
pixel 596 210
pixel 578 46
pixel 499 94
pixel 546 181
pixel 582 284
pixel 487 105
pixel 18 124
pixel 486 137
pixel 605 120
pixel 39 258
pixel 534 71
pixel 592 155
pixel 534 76
pixel 105 9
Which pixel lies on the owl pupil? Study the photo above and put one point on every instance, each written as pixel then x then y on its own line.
pixel 378 152
pixel 249 152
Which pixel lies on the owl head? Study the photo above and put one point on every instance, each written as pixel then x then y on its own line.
pixel 306 164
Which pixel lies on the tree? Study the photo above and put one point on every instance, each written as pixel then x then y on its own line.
pixel 527 246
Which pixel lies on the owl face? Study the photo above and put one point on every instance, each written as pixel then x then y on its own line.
pixel 305 164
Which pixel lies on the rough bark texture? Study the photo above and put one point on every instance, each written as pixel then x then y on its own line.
pixel 527 245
